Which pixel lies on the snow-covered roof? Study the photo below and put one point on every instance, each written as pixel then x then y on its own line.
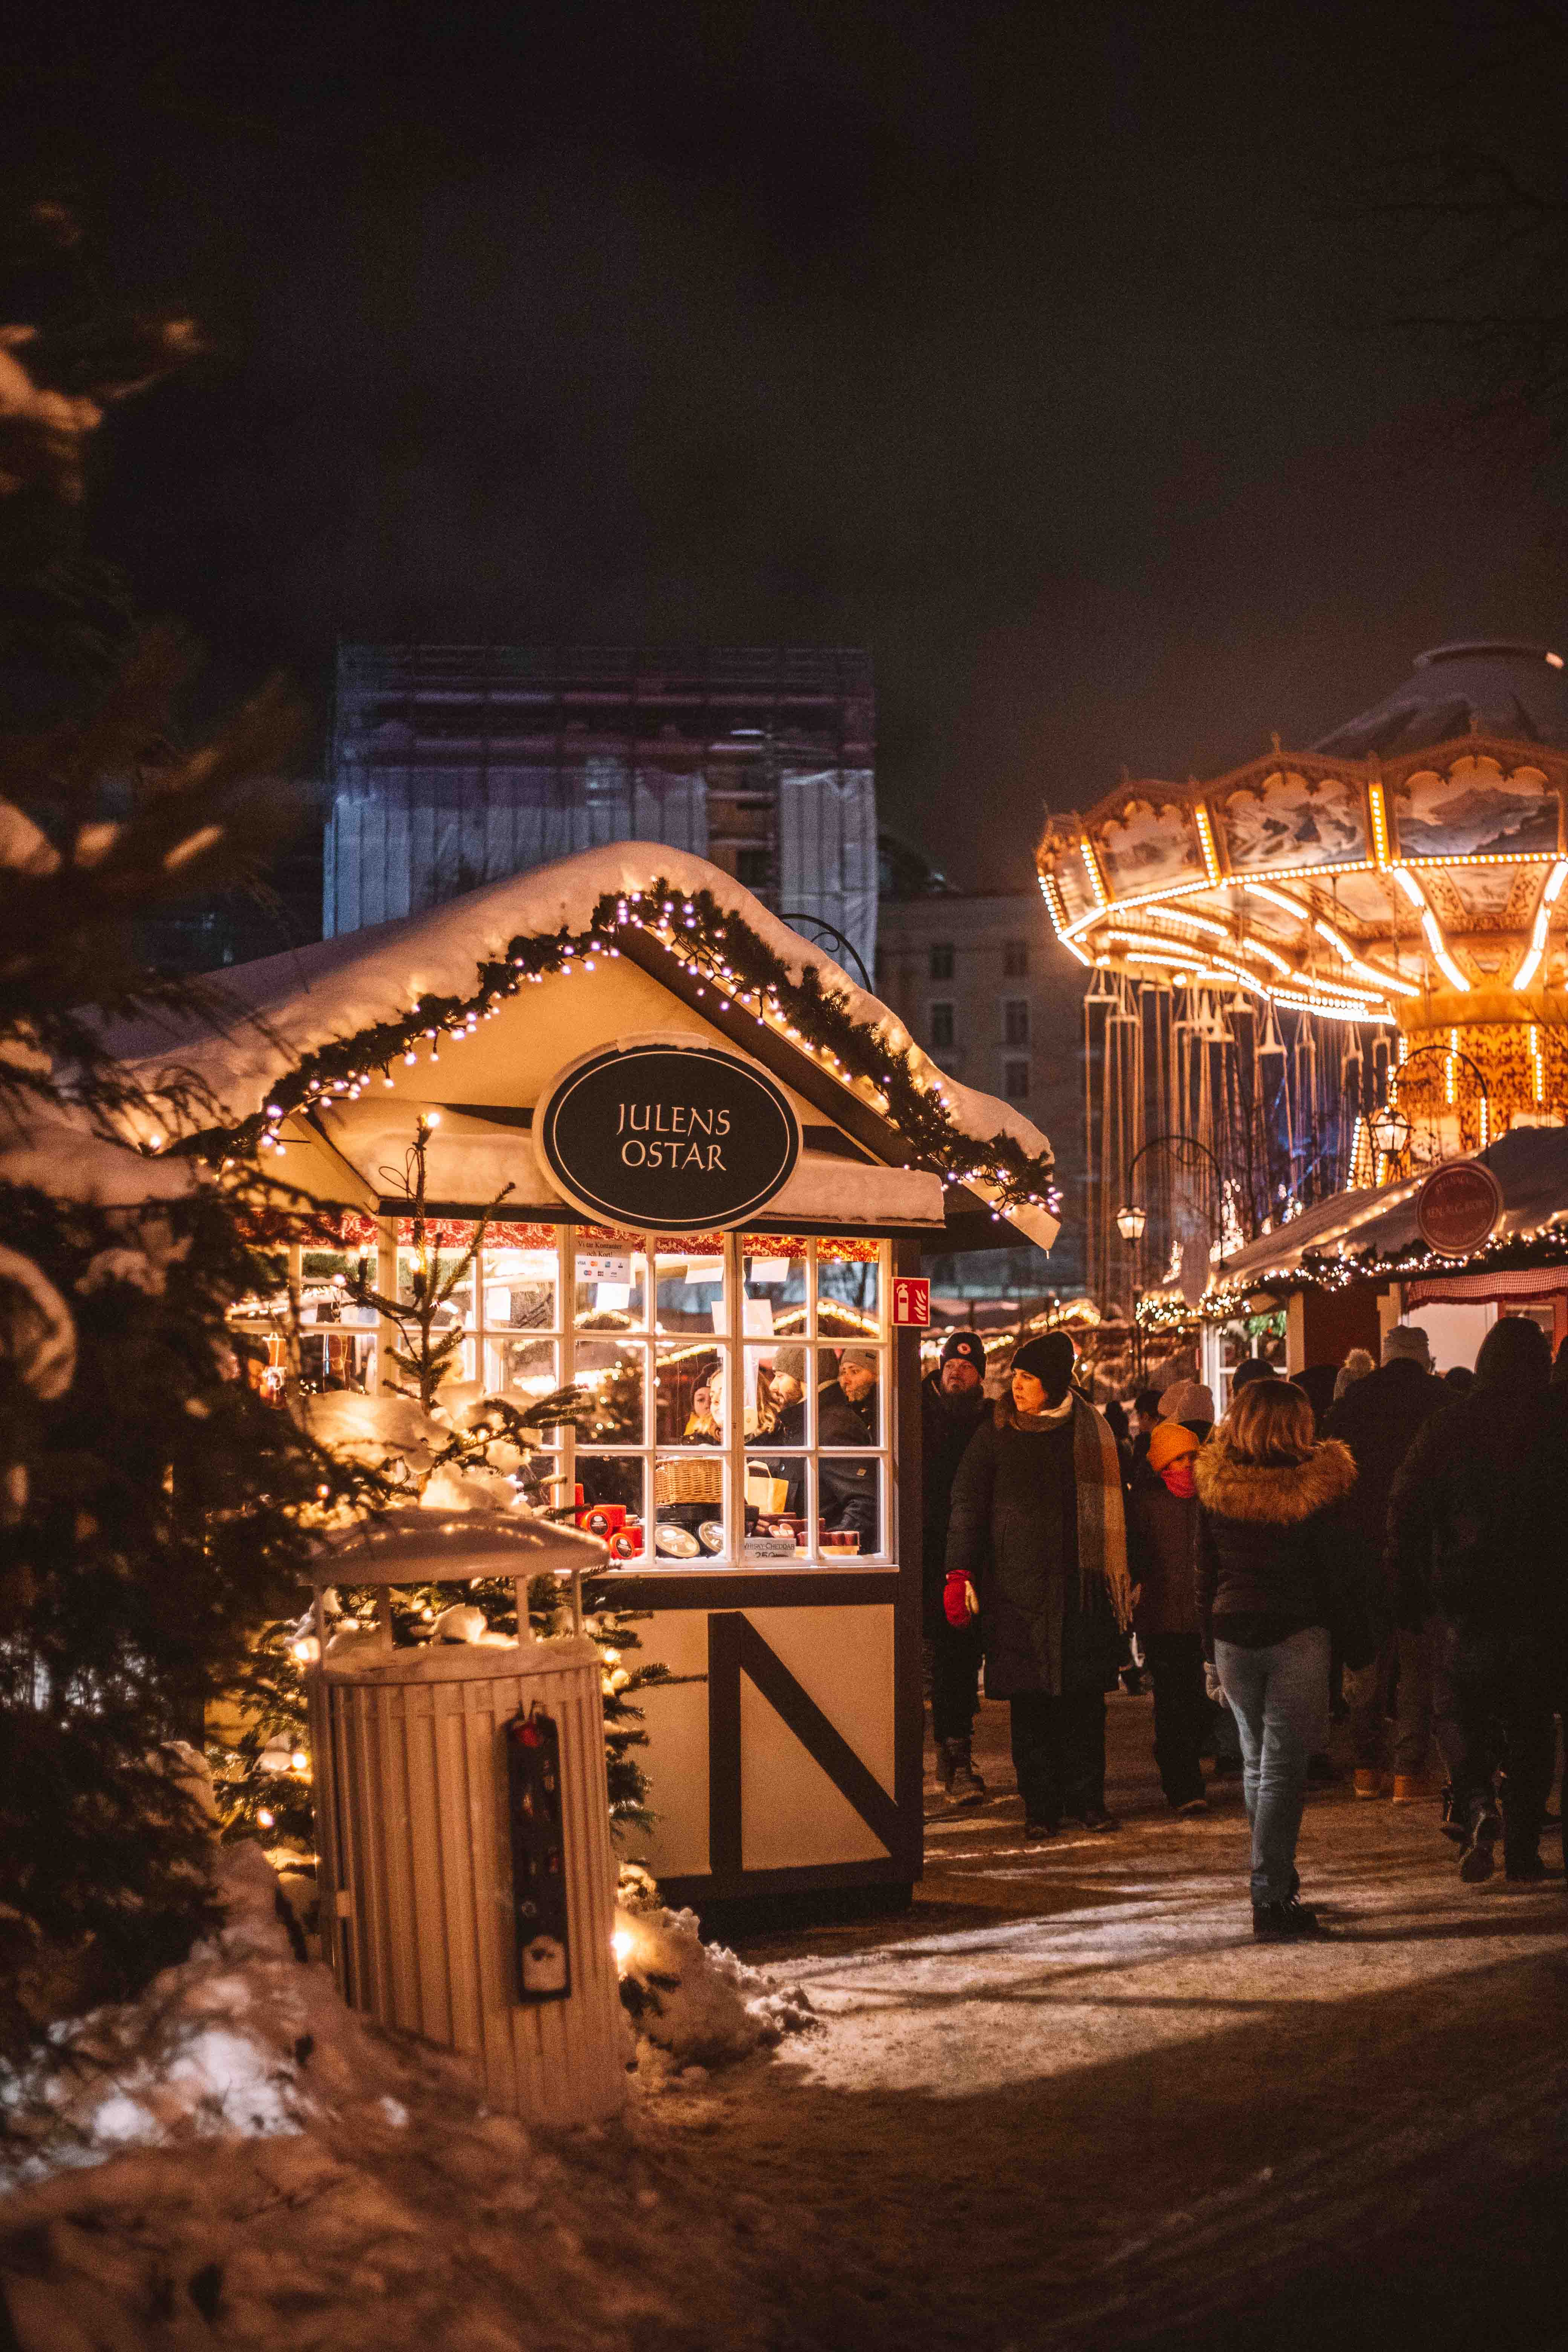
pixel 68 1160
pixel 1531 1163
pixel 276 1012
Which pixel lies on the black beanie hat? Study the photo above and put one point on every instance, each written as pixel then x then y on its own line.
pixel 1050 1358
pixel 967 1344
pixel 1516 1353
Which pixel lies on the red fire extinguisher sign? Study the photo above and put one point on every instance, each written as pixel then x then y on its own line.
pixel 911 1300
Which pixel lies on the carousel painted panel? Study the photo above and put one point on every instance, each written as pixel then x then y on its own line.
pixel 1367 898
pixel 1290 821
pixel 1149 845
pixel 1072 880
pixel 1475 811
pixel 1485 898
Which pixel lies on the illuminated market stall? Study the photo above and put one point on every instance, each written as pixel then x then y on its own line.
pixel 1452 1249
pixel 709 1165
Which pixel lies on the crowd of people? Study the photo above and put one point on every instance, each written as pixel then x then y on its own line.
pixel 1370 1534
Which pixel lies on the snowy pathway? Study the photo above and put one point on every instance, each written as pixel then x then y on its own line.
pixel 1066 2097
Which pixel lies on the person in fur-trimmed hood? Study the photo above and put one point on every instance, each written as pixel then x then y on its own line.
pixel 1037 1548
pixel 1279 1560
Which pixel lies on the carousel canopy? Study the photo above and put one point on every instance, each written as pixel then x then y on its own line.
pixel 1408 870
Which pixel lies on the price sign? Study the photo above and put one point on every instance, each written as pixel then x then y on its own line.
pixel 1457 1207
pixel 911 1301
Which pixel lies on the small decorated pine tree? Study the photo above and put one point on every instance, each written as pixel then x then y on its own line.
pixel 484 1454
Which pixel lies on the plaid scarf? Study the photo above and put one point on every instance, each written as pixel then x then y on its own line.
pixel 1102 1521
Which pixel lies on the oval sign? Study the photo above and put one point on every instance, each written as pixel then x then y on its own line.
pixel 674 1138
pixel 1457 1207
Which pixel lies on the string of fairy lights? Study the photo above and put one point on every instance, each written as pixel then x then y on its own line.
pixel 740 979
pixel 1522 1252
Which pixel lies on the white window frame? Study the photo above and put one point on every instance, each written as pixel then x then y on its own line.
pixel 728 1346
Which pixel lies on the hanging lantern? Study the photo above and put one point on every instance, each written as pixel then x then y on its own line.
pixel 1130 1222
pixel 1390 1131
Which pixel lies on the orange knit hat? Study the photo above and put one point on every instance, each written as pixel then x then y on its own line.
pixel 1169 1443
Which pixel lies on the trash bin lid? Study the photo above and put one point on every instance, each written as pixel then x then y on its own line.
pixel 411 1546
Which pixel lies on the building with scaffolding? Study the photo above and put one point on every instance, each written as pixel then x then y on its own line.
pixel 454 765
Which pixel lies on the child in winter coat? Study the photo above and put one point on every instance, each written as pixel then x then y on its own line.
pixel 1162 1549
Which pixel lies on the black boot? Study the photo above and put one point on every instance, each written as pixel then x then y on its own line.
pixel 955 1770
pixel 1285 1923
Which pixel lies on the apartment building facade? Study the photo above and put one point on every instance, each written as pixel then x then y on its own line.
pixel 981 983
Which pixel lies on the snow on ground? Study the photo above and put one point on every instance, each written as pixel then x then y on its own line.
pixel 1065 2099
pixel 235 2158
pixel 695 2005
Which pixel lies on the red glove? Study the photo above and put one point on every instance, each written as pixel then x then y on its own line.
pixel 958 1599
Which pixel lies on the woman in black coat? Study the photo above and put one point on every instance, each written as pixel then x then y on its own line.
pixel 1037 1546
pixel 1279 1562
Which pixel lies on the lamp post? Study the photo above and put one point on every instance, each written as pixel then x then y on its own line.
pixel 1132 1220
pixel 1130 1223
pixel 1390 1129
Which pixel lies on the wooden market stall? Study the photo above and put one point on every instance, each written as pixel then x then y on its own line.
pixel 1340 1275
pixel 721 1164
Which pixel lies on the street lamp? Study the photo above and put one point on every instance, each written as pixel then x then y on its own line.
pixel 1130 1223
pixel 1390 1131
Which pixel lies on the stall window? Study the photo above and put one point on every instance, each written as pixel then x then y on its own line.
pixel 337 1339
pixel 737 1385
pixel 751 1422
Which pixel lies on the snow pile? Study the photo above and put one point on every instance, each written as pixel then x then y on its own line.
pixel 395 1435
pixel 694 2005
pixel 239 2039
pixel 379 1432
pixel 235 2158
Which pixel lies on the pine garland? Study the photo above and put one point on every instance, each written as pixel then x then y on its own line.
pixel 1518 1253
pixel 749 981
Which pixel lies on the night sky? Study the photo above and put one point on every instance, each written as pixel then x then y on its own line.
pixel 1051 352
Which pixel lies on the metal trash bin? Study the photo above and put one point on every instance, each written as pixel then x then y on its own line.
pixel 468 1883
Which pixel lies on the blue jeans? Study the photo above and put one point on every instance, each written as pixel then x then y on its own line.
pixel 1280 1696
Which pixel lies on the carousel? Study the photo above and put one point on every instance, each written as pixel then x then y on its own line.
pixel 1323 971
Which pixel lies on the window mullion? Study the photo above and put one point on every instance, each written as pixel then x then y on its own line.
pixel 735 1389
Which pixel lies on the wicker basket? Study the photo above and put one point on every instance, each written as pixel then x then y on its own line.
pixel 697 1478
